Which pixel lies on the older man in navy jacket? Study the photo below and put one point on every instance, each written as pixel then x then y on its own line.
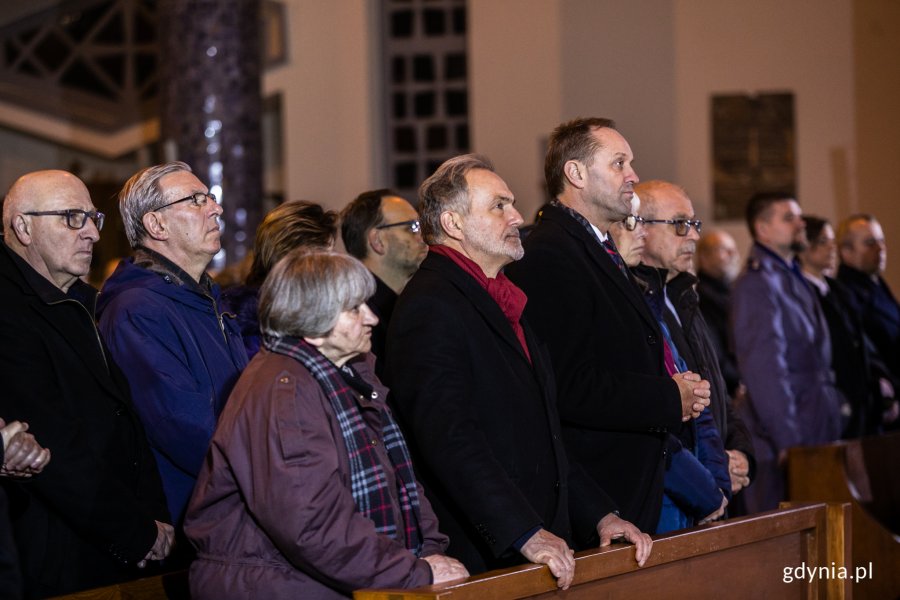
pixel 159 313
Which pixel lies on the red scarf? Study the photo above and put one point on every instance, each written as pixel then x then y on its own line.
pixel 508 297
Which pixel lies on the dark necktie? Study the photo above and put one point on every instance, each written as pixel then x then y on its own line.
pixel 610 248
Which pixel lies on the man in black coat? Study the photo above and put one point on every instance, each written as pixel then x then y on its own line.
pixel 616 399
pixel 97 511
pixel 863 254
pixel 476 395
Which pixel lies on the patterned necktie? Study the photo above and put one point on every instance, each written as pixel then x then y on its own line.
pixel 610 248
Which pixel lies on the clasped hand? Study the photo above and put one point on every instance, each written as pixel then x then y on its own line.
pixel 695 394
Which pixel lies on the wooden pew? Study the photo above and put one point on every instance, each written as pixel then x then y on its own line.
pixel 171 586
pixel 739 558
pixel 865 474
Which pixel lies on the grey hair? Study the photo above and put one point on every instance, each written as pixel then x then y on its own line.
pixel 142 194
pixel 306 291
pixel 445 190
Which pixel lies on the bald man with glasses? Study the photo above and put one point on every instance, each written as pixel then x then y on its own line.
pixel 160 315
pixel 97 512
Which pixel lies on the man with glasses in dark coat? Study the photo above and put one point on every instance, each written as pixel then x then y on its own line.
pixel 382 230
pixel 97 511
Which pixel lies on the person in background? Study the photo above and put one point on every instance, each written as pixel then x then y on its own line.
pixel 383 231
pixel 295 224
pixel 718 265
pixel 629 235
pixel 863 254
pixel 859 371
pixel 308 489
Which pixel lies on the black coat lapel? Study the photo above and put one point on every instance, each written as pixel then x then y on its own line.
pixel 604 263
pixel 478 296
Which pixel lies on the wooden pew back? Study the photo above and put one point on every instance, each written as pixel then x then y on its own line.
pixel 864 474
pixel 739 558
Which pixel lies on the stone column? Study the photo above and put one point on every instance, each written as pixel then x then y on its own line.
pixel 211 106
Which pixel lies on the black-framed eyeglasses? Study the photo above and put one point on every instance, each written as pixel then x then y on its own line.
pixel 631 222
pixel 197 200
pixel 414 226
pixel 682 226
pixel 75 217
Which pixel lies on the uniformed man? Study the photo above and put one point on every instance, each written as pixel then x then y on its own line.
pixel 783 348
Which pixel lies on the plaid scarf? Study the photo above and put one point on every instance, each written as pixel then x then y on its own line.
pixel 368 482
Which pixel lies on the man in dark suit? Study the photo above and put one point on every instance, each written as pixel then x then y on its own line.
pixel 97 511
pixel 474 389
pixel 616 399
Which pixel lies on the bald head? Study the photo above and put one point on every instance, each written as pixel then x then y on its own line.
pixel 37 190
pixel 665 207
pixel 717 255
pixel 657 194
pixel 861 244
pixel 46 242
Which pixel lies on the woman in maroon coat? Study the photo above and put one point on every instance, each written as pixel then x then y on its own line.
pixel 307 490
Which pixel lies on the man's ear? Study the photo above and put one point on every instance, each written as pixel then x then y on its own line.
pixel 451 223
pixel 761 227
pixel 154 226
pixel 575 173
pixel 375 241
pixel 22 228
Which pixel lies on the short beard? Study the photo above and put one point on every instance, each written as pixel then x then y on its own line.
pixel 798 247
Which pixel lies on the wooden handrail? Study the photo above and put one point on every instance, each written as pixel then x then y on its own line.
pixel 743 556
